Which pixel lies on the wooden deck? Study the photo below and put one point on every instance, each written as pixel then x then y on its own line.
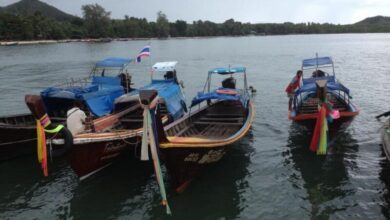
pixel 310 105
pixel 218 122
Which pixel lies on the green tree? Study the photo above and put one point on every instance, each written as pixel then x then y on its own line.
pixel 97 21
pixel 162 25
pixel 181 28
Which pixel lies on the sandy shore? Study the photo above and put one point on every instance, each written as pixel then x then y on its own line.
pixel 90 40
pixel 102 40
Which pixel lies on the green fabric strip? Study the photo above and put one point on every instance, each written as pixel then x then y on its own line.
pixel 55 130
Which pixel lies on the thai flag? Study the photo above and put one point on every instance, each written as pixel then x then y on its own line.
pixel 145 52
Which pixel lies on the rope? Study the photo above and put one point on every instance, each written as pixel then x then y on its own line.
pixel 128 142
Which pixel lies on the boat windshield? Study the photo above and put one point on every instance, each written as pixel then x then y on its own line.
pixel 164 71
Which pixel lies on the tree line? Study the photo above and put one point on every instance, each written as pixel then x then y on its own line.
pixel 97 23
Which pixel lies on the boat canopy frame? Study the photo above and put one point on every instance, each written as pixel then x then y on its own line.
pixel 225 71
pixel 163 67
pixel 318 62
pixel 117 64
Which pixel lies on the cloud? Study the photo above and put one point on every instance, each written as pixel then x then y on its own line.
pixel 254 11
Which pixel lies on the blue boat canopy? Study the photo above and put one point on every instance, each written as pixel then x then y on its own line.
pixel 224 71
pixel 168 90
pixel 317 61
pixel 173 98
pixel 99 96
pixel 113 62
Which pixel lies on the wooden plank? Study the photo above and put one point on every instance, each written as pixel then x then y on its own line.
pixel 220 119
pixel 207 129
pixel 182 131
pixel 131 120
pixel 217 123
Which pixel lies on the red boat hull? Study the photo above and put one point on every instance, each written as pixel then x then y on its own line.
pixel 87 159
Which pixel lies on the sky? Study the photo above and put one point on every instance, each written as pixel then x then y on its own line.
pixel 253 11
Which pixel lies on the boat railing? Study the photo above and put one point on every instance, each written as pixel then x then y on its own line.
pixel 297 99
pixel 343 95
pixel 72 82
pixel 330 78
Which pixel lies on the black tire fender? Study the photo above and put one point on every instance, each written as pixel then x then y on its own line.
pixel 68 143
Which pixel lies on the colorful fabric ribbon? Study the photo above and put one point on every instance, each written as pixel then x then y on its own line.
pixel 42 124
pixel 150 136
pixel 41 148
pixel 319 141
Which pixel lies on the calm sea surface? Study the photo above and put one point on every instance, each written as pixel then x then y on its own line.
pixel 270 174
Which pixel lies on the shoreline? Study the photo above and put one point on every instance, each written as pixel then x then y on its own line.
pixel 87 40
pixel 107 40
pixel 93 40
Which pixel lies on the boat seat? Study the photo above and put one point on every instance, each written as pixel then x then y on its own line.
pixel 57 119
pixel 132 120
pixel 217 123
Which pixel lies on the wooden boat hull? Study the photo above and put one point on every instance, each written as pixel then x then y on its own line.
pixel 185 158
pixel 17 136
pixel 91 152
pixel 308 113
pixel 386 138
pixel 88 158
pixel 185 164
pixel 16 141
pixel 335 127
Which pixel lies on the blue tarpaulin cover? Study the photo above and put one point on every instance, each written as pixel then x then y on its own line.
pixel 311 87
pixel 172 95
pixel 231 70
pixel 98 96
pixel 317 61
pixel 218 96
pixel 113 62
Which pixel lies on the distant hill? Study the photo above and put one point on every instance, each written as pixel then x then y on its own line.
pixel 377 24
pixel 377 20
pixel 29 7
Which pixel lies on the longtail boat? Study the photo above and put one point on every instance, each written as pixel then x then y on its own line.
pixel 217 119
pixel 385 134
pixel 322 103
pixel 108 136
pixel 108 80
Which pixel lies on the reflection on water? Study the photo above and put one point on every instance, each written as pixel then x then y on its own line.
pixel 384 176
pixel 128 190
pixel 27 195
pixel 325 177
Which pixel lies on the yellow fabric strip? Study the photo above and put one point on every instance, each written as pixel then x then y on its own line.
pixel 39 141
